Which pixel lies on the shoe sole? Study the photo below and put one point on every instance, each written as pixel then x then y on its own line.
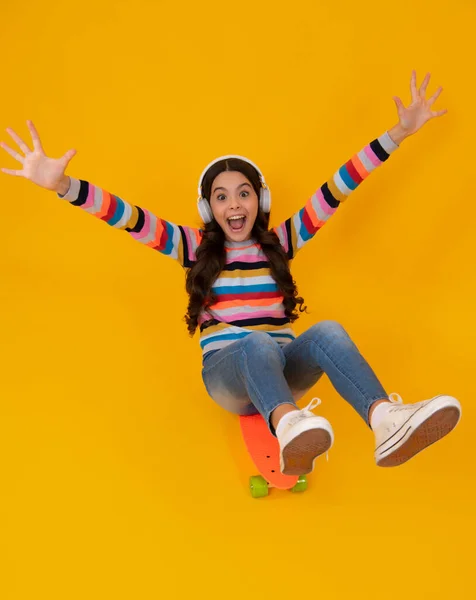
pixel 300 453
pixel 439 424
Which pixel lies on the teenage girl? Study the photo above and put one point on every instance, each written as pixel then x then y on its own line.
pixel 243 298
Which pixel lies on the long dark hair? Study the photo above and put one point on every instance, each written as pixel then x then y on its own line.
pixel 211 254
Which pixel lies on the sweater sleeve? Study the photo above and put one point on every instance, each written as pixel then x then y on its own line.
pixel 176 241
pixel 298 229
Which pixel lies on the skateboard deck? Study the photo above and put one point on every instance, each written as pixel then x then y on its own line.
pixel 263 448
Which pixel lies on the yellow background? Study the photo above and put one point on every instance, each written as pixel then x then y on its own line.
pixel 120 478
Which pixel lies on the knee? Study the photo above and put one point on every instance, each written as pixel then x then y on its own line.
pixel 260 343
pixel 330 330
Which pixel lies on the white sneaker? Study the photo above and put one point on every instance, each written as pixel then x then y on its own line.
pixel 406 429
pixel 302 437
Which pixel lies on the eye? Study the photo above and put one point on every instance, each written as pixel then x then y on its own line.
pixel 222 195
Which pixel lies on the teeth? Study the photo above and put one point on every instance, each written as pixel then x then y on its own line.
pixel 237 217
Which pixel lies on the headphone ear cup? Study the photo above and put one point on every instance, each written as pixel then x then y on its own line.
pixel 205 210
pixel 265 200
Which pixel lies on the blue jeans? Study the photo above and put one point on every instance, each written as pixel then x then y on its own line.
pixel 255 374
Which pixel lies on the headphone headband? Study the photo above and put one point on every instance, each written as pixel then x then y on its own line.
pixel 223 158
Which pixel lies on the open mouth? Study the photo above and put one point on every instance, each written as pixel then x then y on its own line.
pixel 236 225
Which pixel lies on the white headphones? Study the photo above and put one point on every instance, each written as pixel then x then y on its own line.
pixel 204 207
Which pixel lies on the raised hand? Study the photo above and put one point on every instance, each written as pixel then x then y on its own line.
pixel 37 167
pixel 413 117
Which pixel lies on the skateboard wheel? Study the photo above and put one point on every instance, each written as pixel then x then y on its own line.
pixel 258 486
pixel 301 485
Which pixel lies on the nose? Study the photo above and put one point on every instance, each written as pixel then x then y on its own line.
pixel 235 203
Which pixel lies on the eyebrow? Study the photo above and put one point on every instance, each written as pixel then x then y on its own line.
pixel 222 188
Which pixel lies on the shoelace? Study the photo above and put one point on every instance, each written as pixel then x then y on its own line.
pixel 312 404
pixel 397 399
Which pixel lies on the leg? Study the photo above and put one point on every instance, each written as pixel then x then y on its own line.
pixel 246 377
pixel 401 431
pixel 327 348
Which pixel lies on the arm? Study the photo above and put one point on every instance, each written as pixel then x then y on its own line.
pixel 304 224
pixel 172 240
pixel 176 241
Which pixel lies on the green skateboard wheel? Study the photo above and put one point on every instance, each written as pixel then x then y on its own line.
pixel 301 485
pixel 258 486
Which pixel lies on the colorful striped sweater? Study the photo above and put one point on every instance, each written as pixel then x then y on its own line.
pixel 248 298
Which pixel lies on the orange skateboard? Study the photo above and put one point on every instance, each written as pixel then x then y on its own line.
pixel 264 451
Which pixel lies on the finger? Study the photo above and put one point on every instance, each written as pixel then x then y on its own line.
pixel 19 141
pixel 439 113
pixel 399 103
pixel 67 157
pixel 12 152
pixel 424 85
pixel 12 172
pixel 35 137
pixel 413 88
pixel 435 96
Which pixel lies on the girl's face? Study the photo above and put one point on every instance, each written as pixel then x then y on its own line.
pixel 232 195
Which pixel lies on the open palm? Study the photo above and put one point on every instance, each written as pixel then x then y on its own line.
pixel 413 117
pixel 37 167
